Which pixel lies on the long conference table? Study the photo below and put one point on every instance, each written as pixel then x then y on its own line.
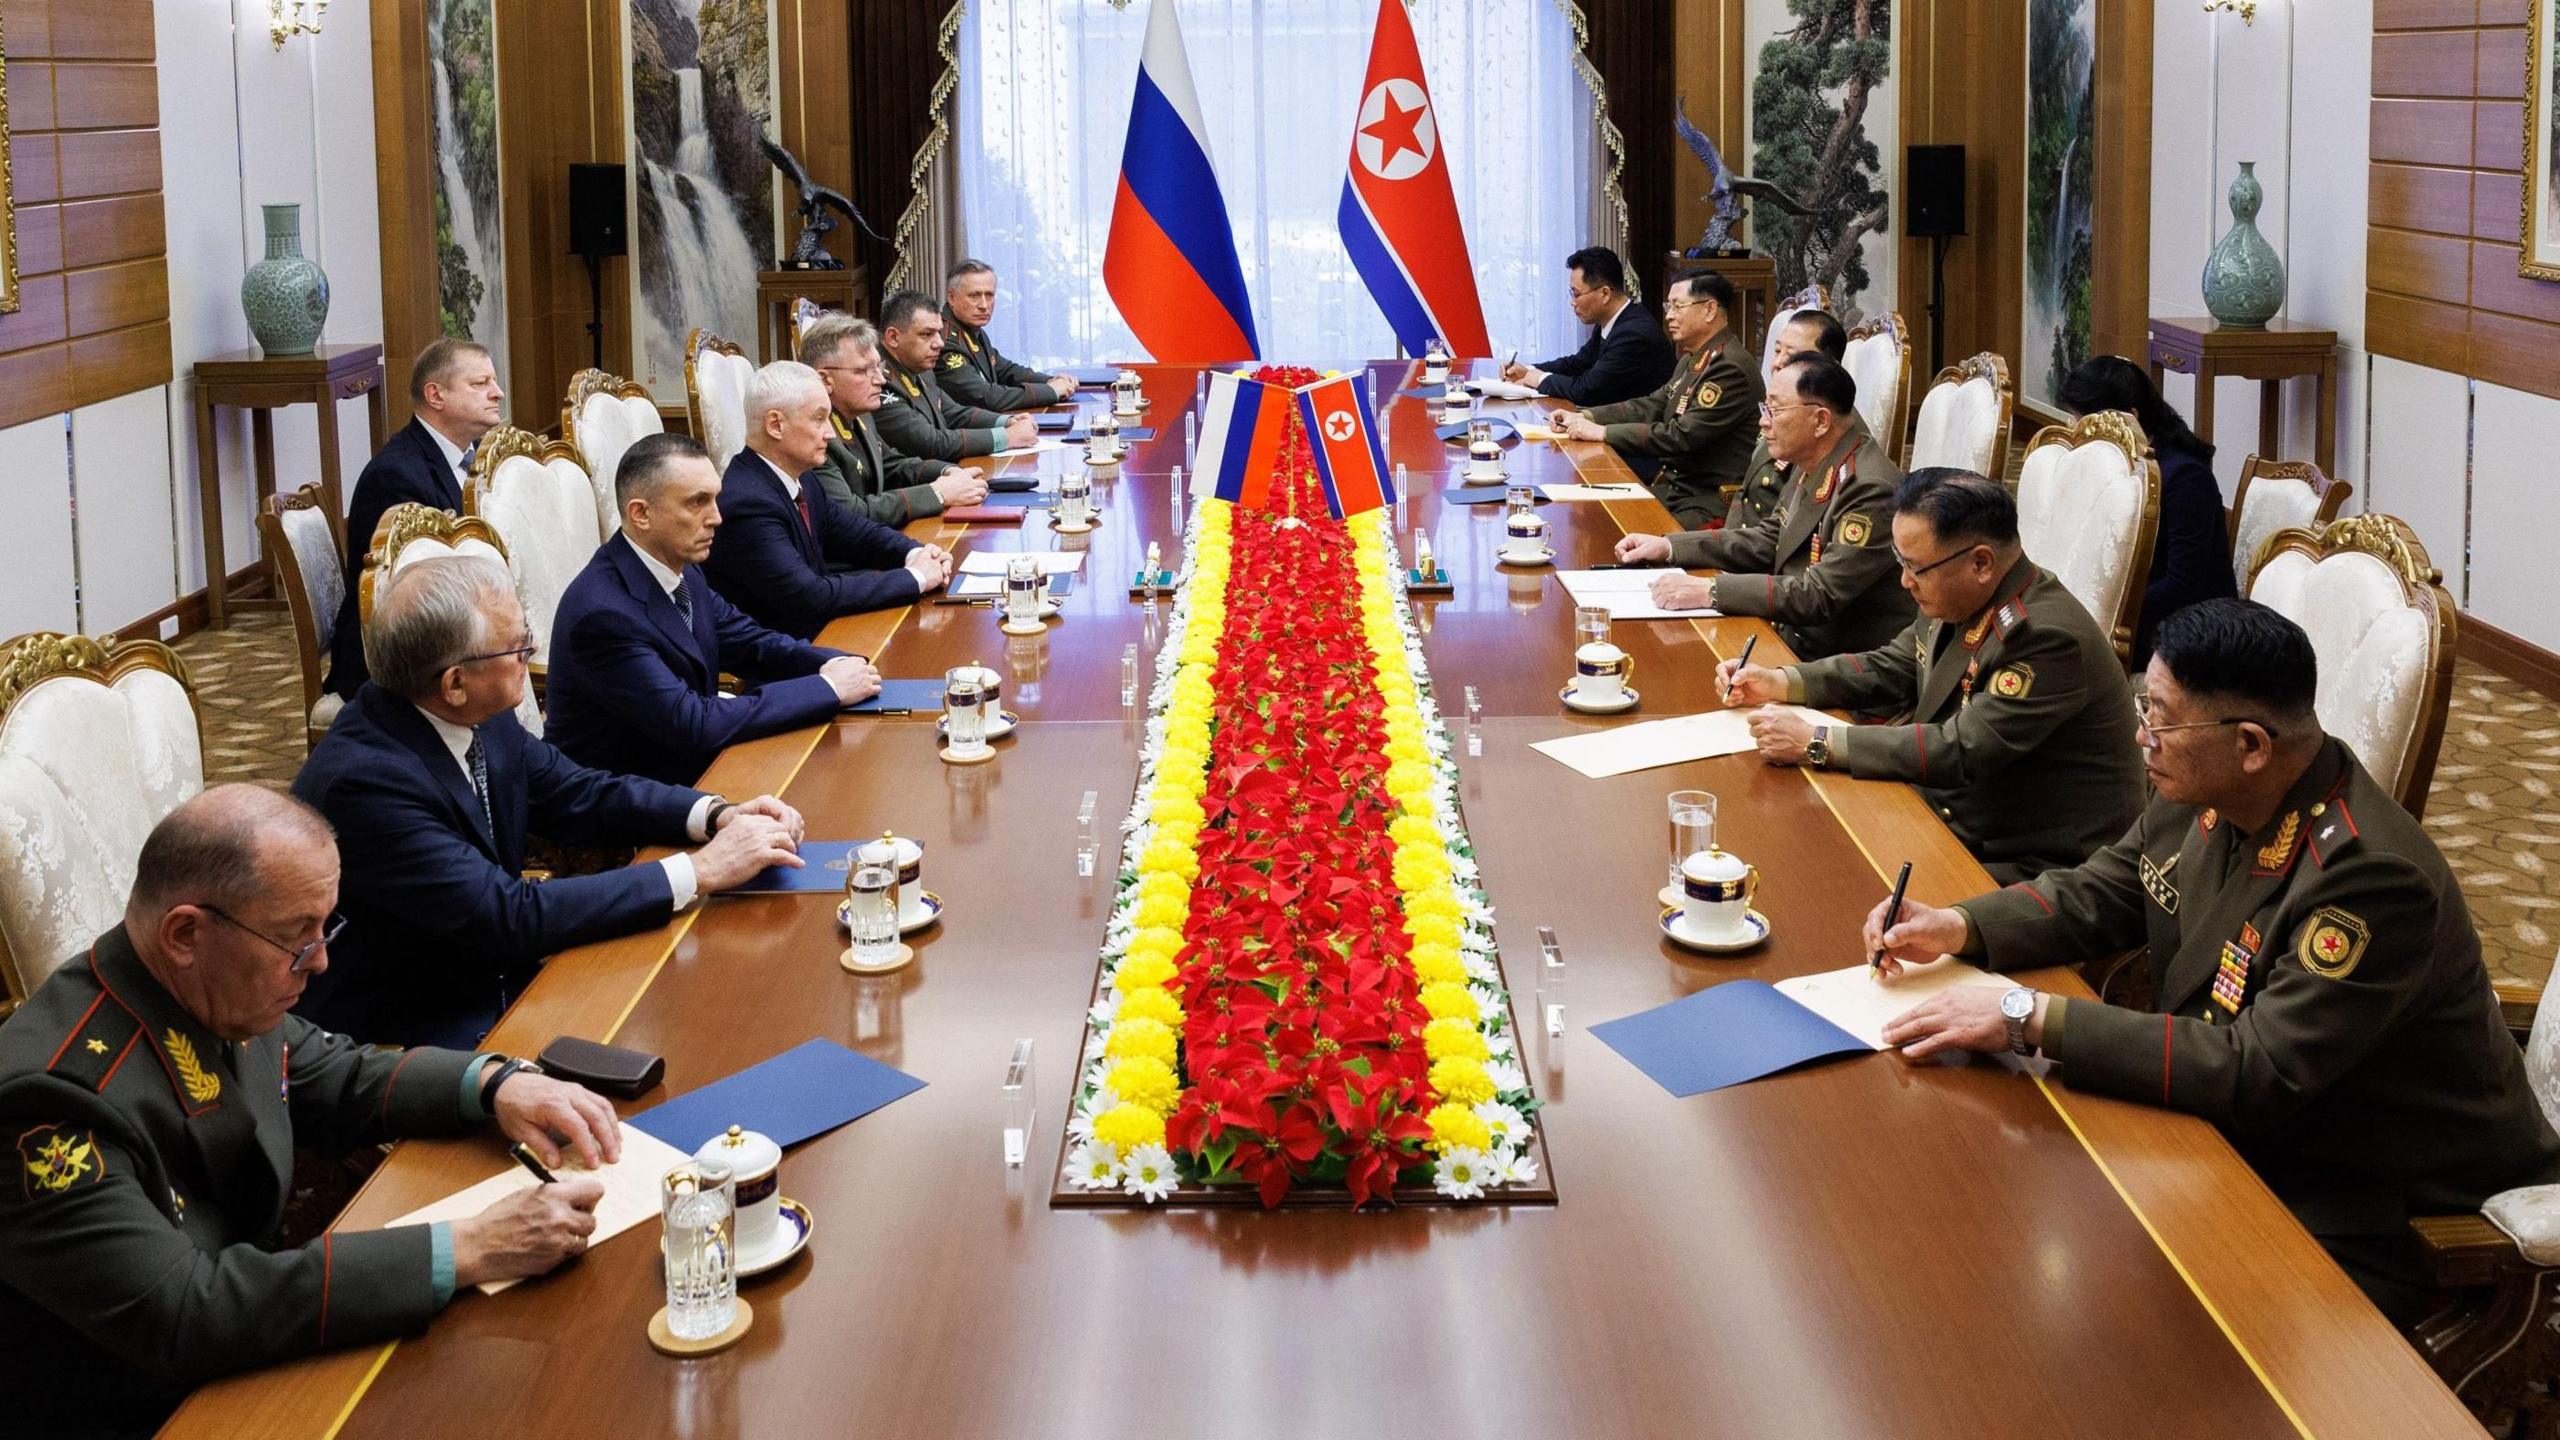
pixel 1859 1248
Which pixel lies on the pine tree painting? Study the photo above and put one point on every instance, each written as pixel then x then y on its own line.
pixel 1810 125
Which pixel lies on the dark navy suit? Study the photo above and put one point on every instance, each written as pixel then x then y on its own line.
pixel 769 564
pixel 1630 362
pixel 410 467
pixel 634 688
pixel 441 929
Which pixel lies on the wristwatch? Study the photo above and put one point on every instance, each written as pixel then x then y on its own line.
pixel 711 817
pixel 1817 751
pixel 2017 1006
pixel 499 1074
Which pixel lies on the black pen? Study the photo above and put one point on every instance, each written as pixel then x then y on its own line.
pixel 1740 665
pixel 963 600
pixel 1892 913
pixel 524 1156
pixel 879 712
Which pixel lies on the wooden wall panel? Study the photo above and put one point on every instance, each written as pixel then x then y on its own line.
pixel 93 275
pixel 2453 304
pixel 1708 61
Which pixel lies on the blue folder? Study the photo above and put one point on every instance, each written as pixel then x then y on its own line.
pixel 1504 432
pixel 1053 421
pixel 792 1097
pixel 1090 374
pixel 1739 1030
pixel 1134 434
pixel 824 864
pixel 1024 498
pixel 917 695
pixel 1475 494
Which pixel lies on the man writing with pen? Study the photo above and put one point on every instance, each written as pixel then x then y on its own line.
pixel 2317 989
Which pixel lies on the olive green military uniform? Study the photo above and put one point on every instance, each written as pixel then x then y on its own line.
pixel 1822 569
pixel 2021 733
pixel 1763 492
pixel 974 373
pixel 870 479
pixel 2320 993
pixel 1701 424
pixel 151 1163
pixel 917 418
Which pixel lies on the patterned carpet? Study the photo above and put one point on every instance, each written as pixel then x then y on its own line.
pixel 2491 809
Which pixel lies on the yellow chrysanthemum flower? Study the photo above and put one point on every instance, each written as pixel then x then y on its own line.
pixel 1150 1002
pixel 1447 1000
pixel 1137 971
pixel 1151 1038
pixel 1125 1127
pixel 1461 1081
pixel 1444 1038
pixel 1453 1127
pixel 1143 1081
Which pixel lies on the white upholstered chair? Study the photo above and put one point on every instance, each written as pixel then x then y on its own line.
pixel 604 416
pixel 1879 359
pixel 2382 626
pixel 1811 297
pixel 2279 495
pixel 538 498
pixel 716 372
pixel 311 569
pixel 409 533
pixel 803 311
pixel 1964 419
pixel 98 741
pixel 2088 510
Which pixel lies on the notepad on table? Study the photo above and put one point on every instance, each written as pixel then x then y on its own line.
pixel 1629 491
pixel 982 586
pixel 824 864
pixel 1625 594
pixel 1745 1029
pixel 993 562
pixel 630 1191
pixel 1625 749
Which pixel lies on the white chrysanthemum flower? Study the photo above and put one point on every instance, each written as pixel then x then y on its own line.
pixel 1520 1169
pixel 1094 1165
pixel 1148 1173
pixel 1462 1174
pixel 1509 1127
pixel 1080 1124
pixel 1507 1075
pixel 1501 1043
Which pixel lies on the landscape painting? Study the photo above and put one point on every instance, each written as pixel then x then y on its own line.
pixel 2062 78
pixel 462 119
pixel 2541 257
pixel 1823 116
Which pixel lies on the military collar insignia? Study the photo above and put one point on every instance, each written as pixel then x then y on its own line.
pixel 1830 482
pixel 2206 821
pixel 1975 633
pixel 199 1085
pixel 2333 940
pixel 843 431
pixel 909 386
pixel 2277 855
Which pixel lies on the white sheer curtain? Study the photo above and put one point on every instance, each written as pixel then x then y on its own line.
pixel 1044 107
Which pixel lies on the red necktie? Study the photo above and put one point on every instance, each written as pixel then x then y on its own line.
pixel 805 522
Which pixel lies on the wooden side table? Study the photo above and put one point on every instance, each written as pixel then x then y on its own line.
pixel 848 290
pixel 1755 283
pixel 257 382
pixel 2198 346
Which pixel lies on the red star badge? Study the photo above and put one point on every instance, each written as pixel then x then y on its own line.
pixel 1397 130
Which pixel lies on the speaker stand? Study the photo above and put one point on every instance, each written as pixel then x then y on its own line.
pixel 1938 301
pixel 595 324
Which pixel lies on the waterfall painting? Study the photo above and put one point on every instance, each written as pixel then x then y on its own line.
pixel 703 198
pixel 2541 257
pixel 2062 78
pixel 1823 114
pixel 462 120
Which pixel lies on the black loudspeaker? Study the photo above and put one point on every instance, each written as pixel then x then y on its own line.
pixel 596 204
pixel 1933 190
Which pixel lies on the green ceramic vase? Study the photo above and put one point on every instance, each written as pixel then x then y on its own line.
pixel 286 297
pixel 2243 277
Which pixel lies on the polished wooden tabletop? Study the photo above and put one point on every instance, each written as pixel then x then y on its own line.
pixel 1859 1248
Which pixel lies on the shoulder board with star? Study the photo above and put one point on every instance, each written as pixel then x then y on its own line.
pixel 2332 831
pixel 2009 614
pixel 91 1053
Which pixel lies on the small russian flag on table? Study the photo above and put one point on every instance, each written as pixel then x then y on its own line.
pixel 1240 430
pixel 1343 433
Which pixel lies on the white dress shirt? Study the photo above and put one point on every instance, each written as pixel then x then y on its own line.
pixel 1613 317
pixel 680 879
pixel 790 482
pixel 452 456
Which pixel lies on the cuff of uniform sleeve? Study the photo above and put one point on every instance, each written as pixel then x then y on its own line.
pixel 440 1253
pixel 472 1075
pixel 2055 1008
pixel 995 439
pixel 1795 685
pixel 680 881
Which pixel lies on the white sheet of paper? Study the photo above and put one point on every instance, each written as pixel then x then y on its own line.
pixel 1594 492
pixel 976 586
pixel 1625 594
pixel 992 562
pixel 630 1192
pixel 1503 389
pixel 1625 749
pixel 1856 1001
pixel 1040 446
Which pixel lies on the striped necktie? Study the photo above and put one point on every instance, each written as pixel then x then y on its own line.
pixel 479 763
pixel 683 596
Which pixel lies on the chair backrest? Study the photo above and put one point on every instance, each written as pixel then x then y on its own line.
pixel 534 493
pixel 803 310
pixel 2279 495
pixel 2088 510
pixel 1811 297
pixel 414 532
pixel 604 416
pixel 311 569
pixel 716 372
pixel 99 740
pixel 1879 359
pixel 1964 419
pixel 2382 626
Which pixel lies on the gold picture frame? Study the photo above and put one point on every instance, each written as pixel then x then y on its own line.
pixel 2538 257
pixel 8 198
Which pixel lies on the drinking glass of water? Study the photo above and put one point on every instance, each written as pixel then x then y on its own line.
pixel 1693 827
pixel 1590 625
pixel 697 1205
pixel 871 913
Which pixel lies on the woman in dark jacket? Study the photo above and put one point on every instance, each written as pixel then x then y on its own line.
pixel 2191 558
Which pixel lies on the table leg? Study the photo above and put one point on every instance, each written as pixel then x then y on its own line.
pixel 2324 446
pixel 217 600
pixel 381 407
pixel 329 459
pixel 2271 419
pixel 2204 400
pixel 2159 372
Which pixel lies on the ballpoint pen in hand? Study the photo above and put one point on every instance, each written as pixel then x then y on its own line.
pixel 523 1154
pixel 1892 915
pixel 1740 663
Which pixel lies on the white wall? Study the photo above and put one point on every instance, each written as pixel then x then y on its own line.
pixel 241 125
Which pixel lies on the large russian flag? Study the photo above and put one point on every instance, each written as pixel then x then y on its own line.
pixel 1342 434
pixel 1399 218
pixel 1170 262
pixel 1241 427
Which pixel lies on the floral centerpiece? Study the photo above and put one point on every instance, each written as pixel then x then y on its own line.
pixel 1299 985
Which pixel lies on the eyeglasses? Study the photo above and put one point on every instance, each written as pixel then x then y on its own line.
pixel 1770 409
pixel 2146 714
pixel 1678 304
pixel 299 954
pixel 1916 571
pixel 523 651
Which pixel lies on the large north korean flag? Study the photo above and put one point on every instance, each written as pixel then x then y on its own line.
pixel 1399 217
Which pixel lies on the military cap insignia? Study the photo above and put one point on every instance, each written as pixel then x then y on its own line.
pixel 2332 942
pixel 202 1085
pixel 2012 682
pixel 1853 529
pixel 55 1159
